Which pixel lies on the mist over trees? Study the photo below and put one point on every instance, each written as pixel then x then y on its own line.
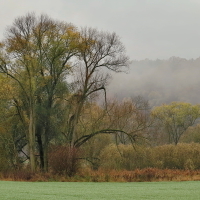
pixel 159 81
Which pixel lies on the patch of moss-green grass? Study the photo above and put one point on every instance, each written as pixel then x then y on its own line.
pixel 87 190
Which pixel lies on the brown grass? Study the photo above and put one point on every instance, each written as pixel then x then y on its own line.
pixel 138 175
pixel 142 175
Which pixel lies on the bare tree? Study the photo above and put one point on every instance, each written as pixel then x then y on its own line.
pixel 132 118
pixel 99 53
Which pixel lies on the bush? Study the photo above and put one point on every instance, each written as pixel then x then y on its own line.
pixel 4 165
pixel 9 159
pixel 181 156
pixel 91 150
pixel 63 160
pixel 125 157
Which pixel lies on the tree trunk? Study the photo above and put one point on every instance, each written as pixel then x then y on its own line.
pixel 45 148
pixel 73 124
pixel 32 140
pixel 40 146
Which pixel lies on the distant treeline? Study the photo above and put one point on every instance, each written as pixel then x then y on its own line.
pixel 160 81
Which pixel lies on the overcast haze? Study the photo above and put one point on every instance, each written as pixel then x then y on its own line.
pixel 148 28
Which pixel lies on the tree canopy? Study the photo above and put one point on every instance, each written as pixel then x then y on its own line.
pixel 176 118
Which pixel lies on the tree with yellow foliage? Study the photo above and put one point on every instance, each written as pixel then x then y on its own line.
pixel 175 118
pixel 36 54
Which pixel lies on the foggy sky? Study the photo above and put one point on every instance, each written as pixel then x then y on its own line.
pixel 148 28
pixel 159 81
pixel 153 29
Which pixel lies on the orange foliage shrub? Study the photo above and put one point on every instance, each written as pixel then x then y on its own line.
pixel 63 160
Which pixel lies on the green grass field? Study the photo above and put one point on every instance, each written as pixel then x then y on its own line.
pixel 88 190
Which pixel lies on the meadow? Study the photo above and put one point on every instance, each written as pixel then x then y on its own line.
pixel 187 190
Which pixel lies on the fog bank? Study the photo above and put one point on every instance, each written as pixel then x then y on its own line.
pixel 159 81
